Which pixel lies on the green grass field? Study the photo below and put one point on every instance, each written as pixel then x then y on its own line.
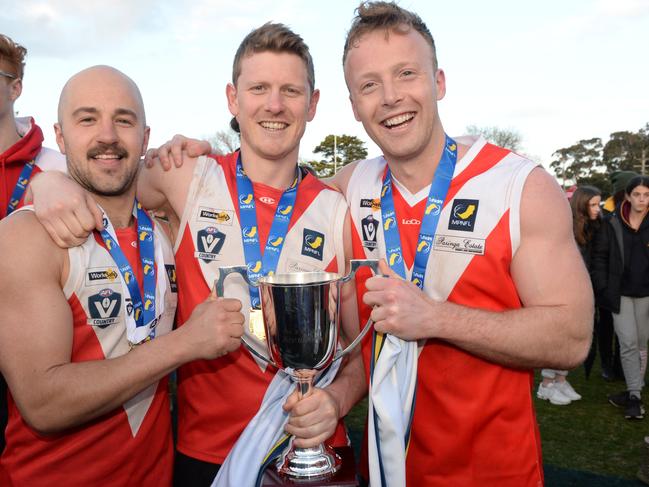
pixel 586 437
pixel 591 435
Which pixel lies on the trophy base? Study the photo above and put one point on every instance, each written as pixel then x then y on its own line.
pixel 345 477
pixel 306 464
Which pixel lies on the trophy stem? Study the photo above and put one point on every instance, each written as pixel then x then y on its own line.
pixel 317 462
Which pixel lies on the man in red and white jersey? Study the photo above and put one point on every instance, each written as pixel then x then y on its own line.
pixel 21 152
pixel 254 207
pixel 85 334
pixel 489 283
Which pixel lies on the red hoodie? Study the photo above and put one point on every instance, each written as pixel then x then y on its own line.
pixel 14 159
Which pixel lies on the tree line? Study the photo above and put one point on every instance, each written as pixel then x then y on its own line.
pixel 590 161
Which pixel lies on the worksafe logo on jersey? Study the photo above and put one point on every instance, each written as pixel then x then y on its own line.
pixel 101 276
pixel 375 203
pixel 369 227
pixel 313 244
pixel 463 215
pixel 171 274
pixel 104 308
pixel 214 215
pixel 209 243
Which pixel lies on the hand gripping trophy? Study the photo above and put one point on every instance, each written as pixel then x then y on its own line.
pixel 301 323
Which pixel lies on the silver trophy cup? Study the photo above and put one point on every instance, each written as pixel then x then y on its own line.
pixel 301 324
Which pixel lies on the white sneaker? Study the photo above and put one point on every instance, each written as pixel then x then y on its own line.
pixel 567 390
pixel 553 394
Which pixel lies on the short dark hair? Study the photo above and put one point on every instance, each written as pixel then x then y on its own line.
pixel 277 38
pixel 635 182
pixel 387 16
pixel 13 55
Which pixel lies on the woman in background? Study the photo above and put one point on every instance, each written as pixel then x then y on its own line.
pixel 585 205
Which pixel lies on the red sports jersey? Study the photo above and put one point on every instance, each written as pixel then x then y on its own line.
pixel 28 148
pixel 217 398
pixel 131 445
pixel 474 421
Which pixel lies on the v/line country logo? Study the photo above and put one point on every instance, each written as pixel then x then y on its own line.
pixel 369 227
pixel 209 243
pixel 104 307
pixel 313 244
pixel 463 215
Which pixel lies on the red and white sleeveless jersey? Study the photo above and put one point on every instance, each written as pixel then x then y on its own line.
pixel 474 421
pixel 218 398
pixel 131 445
pixel 28 148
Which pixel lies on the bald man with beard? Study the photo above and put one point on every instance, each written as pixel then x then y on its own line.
pixel 85 333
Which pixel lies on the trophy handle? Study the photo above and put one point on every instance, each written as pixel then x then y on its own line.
pixel 355 264
pixel 219 284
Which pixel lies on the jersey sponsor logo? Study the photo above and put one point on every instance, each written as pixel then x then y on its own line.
pixel 104 308
pixel 209 243
pixel 171 274
pixel 375 203
pixel 459 245
pixel 463 215
pixel 410 221
pixel 313 244
pixel 296 266
pixel 369 227
pixel 215 215
pixel 101 275
pixel 267 200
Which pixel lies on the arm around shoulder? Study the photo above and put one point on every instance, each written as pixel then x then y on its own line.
pixel 158 188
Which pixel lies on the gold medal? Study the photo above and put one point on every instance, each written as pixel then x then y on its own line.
pixel 132 345
pixel 256 324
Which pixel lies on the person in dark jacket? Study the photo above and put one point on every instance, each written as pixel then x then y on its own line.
pixel 620 270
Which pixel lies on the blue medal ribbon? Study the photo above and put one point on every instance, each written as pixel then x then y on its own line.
pixel 144 311
pixel 21 186
pixel 434 203
pixel 259 266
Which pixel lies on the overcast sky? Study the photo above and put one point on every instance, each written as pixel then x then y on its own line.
pixel 555 71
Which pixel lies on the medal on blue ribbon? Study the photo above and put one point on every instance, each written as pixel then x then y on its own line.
pixel 21 186
pixel 434 203
pixel 143 316
pixel 259 266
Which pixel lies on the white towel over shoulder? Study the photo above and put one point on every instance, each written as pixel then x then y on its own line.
pixel 241 467
pixel 392 390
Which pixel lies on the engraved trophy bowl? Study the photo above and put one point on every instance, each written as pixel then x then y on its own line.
pixel 301 320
